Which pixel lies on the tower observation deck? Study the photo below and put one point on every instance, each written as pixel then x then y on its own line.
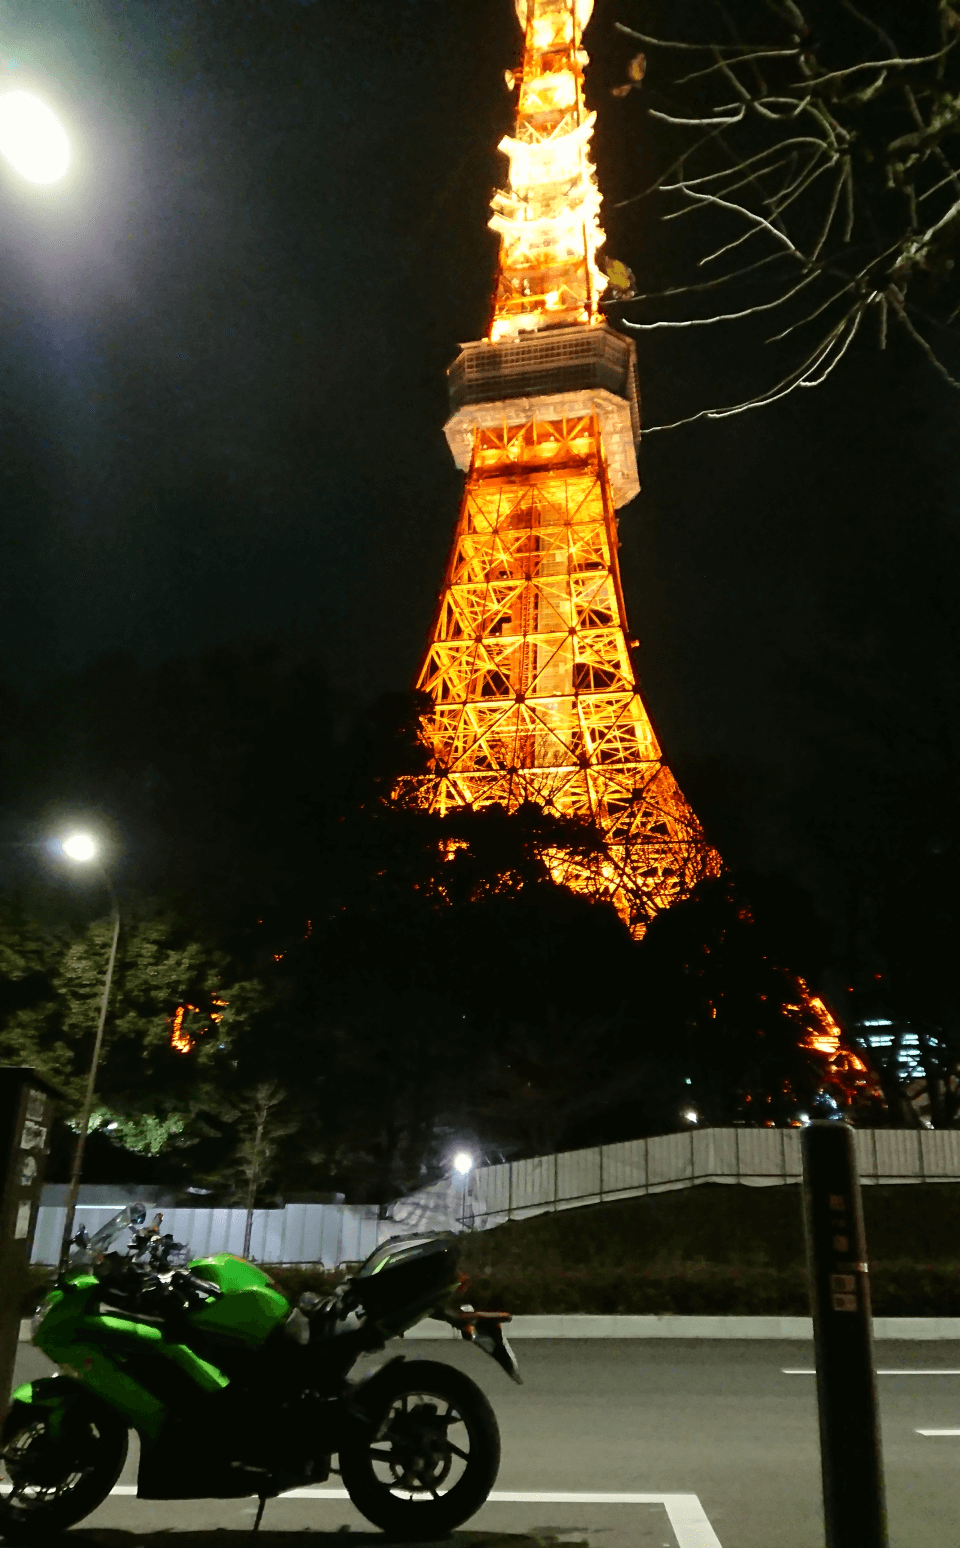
pixel 528 668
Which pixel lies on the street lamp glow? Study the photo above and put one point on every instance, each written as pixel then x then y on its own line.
pixel 690 1115
pixel 79 846
pixel 32 138
pixel 463 1162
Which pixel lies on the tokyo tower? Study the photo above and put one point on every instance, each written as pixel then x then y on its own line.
pixel 528 668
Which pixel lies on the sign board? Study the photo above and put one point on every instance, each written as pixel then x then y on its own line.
pixel 26 1118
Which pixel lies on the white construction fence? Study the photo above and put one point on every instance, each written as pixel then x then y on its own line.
pixel 300 1233
pixel 755 1158
pixel 514 1190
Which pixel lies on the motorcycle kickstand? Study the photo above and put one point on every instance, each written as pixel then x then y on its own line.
pixel 260 1508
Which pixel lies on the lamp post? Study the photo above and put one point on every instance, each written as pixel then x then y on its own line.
pixel 463 1164
pixel 82 849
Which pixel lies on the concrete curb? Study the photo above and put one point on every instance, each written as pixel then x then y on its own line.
pixel 666 1326
pixel 669 1326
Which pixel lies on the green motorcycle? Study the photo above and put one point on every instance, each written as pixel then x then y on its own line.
pixel 233 1391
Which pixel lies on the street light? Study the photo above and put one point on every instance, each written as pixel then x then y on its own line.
pixel 460 1186
pixel 32 138
pixel 79 846
pixel 83 850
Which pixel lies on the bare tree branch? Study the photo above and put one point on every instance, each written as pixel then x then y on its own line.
pixel 794 379
pixel 705 322
pixel 882 64
pixel 918 338
pixel 690 47
pixel 768 53
pixel 807 144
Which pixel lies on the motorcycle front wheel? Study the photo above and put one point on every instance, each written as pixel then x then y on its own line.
pixel 432 1456
pixel 49 1482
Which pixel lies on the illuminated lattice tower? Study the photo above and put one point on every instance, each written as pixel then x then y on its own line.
pixel 533 691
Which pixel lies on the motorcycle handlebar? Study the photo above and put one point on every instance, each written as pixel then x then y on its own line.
pixel 204 1287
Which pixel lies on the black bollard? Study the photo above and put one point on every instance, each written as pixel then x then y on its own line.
pixel 851 1459
pixel 26 1111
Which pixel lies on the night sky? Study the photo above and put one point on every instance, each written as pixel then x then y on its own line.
pixel 222 347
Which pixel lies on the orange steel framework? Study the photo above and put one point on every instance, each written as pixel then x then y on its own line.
pixel 534 695
pixel 533 692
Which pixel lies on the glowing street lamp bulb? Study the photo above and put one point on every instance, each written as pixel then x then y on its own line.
pixel 79 846
pixel 690 1115
pixel 32 138
pixel 462 1162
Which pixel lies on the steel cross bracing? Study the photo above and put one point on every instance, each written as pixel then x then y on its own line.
pixel 529 669
pixel 533 691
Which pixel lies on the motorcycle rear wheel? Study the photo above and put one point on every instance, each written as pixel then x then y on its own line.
pixel 47 1484
pixel 412 1477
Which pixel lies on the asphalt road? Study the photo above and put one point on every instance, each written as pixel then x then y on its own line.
pixel 713 1444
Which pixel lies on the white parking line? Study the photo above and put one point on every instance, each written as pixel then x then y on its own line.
pixel 809 1371
pixel 938 1432
pixel 684 1511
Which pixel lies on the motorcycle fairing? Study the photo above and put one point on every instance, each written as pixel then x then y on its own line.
pixel 58 1397
pixel 250 1306
pixel 91 1368
pixel 54 1393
